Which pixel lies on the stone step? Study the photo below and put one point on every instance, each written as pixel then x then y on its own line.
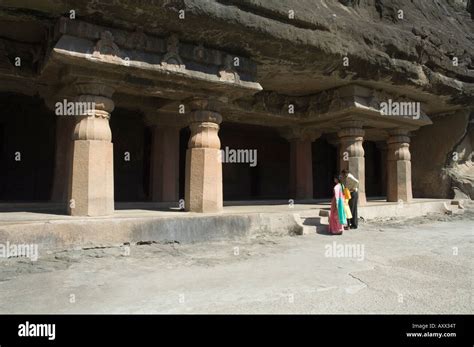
pixel 315 224
pixel 315 220
pixel 454 207
pixel 324 213
pixel 459 203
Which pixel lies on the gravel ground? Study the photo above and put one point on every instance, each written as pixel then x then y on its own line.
pixel 419 265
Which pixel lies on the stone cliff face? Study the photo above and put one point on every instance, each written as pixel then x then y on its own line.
pixel 395 42
pixel 418 48
pixel 442 157
pixel 459 168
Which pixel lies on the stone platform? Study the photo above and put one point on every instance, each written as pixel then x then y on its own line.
pixel 43 223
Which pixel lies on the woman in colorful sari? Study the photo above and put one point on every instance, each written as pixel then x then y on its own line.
pixel 337 217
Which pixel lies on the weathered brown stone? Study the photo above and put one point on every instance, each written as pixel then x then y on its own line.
pixel 441 156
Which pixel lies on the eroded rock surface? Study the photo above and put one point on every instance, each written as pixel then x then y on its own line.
pixel 299 44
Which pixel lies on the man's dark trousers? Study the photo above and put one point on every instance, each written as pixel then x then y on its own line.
pixel 353 207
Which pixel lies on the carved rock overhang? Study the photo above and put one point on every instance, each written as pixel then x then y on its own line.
pixel 326 111
pixel 326 106
pixel 142 65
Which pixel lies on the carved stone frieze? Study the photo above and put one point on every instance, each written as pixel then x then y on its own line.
pixel 172 59
pixel 227 72
pixel 139 39
pixel 106 48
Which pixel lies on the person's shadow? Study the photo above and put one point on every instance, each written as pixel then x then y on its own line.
pixel 319 225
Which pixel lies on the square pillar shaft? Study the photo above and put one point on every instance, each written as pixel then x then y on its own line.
pixel 92 188
pixel 203 180
pixel 164 175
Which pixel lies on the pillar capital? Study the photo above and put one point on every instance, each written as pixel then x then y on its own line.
pixel 350 141
pixel 399 150
pixel 351 129
pixel 205 116
pixel 205 110
pixel 399 144
pixel 98 94
pixel 94 88
pixel 206 104
pixel 96 105
pixel 398 136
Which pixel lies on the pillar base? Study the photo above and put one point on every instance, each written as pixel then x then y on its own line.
pixel 92 186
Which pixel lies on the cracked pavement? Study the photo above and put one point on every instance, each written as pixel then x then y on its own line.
pixel 421 265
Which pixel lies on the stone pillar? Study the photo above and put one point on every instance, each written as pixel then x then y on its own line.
pixel 382 146
pixel 301 161
pixel 92 178
pixel 63 153
pixel 399 166
pixel 164 163
pixel 351 153
pixel 301 169
pixel 203 184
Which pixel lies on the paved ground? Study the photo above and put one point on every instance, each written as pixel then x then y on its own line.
pixel 422 265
